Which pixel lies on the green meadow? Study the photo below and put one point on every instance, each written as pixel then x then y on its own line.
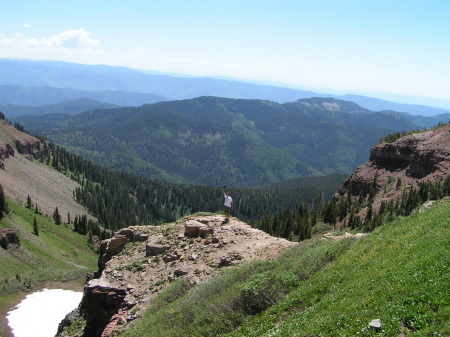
pixel 399 273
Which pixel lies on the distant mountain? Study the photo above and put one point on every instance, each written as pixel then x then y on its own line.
pixel 428 122
pixel 68 107
pixel 209 140
pixel 101 78
pixel 40 96
pixel 376 104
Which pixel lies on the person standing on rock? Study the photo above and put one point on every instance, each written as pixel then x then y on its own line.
pixel 228 202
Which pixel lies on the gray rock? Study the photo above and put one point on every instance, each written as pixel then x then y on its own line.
pixel 192 228
pixel 179 272
pixel 8 237
pixel 129 233
pixel 204 231
pixel 376 324
pixel 116 244
pixel 155 247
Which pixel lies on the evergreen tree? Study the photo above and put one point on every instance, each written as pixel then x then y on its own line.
pixel 75 224
pixel 57 216
pixel 399 183
pixel 3 205
pixel 35 227
pixel 82 225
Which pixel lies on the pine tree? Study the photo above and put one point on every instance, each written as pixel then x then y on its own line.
pixel 29 203
pixel 82 225
pixel 399 183
pixel 57 216
pixel 35 227
pixel 2 202
pixel 75 224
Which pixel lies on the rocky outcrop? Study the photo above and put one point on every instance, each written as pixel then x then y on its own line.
pixel 8 239
pixel 101 301
pixel 406 162
pixel 5 152
pixel 28 147
pixel 113 246
pixel 140 261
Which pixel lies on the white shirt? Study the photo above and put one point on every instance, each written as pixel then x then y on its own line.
pixel 228 201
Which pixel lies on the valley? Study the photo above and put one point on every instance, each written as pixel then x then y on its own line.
pixel 340 215
pixel 209 140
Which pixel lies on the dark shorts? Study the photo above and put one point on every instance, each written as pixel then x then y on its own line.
pixel 227 209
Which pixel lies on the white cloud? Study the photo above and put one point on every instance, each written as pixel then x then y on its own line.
pixel 72 39
pixel 26 25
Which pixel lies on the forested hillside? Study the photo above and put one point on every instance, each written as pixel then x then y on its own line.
pixel 147 201
pixel 212 140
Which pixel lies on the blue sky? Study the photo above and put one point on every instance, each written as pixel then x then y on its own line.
pixel 339 46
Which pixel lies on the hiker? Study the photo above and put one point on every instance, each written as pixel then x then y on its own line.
pixel 228 202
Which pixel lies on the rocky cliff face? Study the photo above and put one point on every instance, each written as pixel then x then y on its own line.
pixel 139 262
pixel 25 144
pixel 406 162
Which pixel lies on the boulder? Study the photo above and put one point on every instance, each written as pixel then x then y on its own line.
pixel 204 231
pixel 155 247
pixel 116 244
pixel 109 248
pixel 129 233
pixel 180 272
pixel 8 237
pixel 171 257
pixel 192 228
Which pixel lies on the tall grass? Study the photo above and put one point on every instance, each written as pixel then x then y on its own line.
pixel 399 274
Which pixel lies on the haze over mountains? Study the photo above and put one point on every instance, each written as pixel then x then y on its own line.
pixel 22 79
pixel 215 130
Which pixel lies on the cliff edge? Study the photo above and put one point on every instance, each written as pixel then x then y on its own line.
pixel 139 262
pixel 404 163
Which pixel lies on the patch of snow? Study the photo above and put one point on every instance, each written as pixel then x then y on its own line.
pixel 39 314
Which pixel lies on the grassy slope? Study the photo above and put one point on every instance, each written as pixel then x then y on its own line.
pixel 400 274
pixel 57 254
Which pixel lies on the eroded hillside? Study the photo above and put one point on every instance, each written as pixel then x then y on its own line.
pixel 22 175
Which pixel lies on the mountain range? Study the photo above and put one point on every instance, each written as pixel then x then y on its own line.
pixel 211 140
pixel 396 275
pixel 33 83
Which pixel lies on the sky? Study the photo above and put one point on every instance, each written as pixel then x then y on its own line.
pixel 391 48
